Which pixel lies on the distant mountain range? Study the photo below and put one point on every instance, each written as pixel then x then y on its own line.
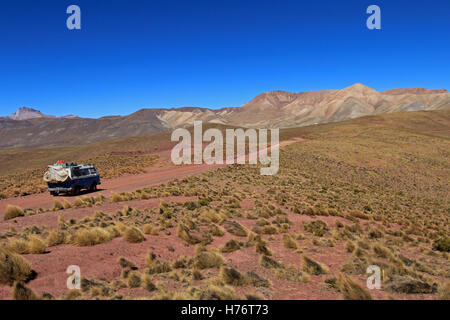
pixel 29 113
pixel 28 128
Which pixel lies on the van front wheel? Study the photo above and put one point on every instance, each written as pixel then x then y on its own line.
pixel 93 187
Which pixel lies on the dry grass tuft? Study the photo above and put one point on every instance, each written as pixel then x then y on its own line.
pixel 155 266
pixel 124 263
pixel 149 229
pixel 56 237
pixel 208 259
pixel 134 280
pixel 67 204
pixel 147 283
pixel 444 292
pixel 133 235
pixel 214 292
pixel 57 205
pixel 12 212
pixel 313 267
pixel 13 267
pixel 116 198
pixel 351 290
pixel 36 245
pixel 230 246
pixel 232 277
pixel 90 237
pixel 20 292
pixel 288 242
pixel 269 263
pixel 235 228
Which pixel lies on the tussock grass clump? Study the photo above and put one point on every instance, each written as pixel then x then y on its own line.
pixel 134 280
pixel 124 263
pixel 185 233
pixel 57 205
pixel 18 245
pixel 442 244
pixel 21 292
pixel 235 228
pixel 78 203
pixel 288 242
pixel 149 229
pixel 67 204
pixel 255 296
pixel 444 292
pixel 12 212
pixel 269 263
pixel 217 231
pixel 116 198
pixel 56 237
pixel 232 277
pixel 256 280
pixel 266 229
pixel 90 237
pixel 133 235
pixel 73 295
pixel 36 245
pixel 214 292
pixel 208 259
pixel 382 252
pixel 147 283
pixel 313 267
pixel 291 273
pixel 350 246
pixel 230 246
pixel 261 247
pixel 155 266
pixel 13 267
pixel 197 274
pixel 317 228
pixel 351 290
pixel 183 262
pixel 409 285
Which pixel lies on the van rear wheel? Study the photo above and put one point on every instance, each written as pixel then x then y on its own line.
pixel 75 191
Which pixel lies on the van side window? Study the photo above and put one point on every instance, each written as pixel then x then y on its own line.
pixel 76 172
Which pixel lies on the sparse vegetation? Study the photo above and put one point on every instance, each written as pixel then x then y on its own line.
pixel 12 212
pixel 345 191
pixel 13 267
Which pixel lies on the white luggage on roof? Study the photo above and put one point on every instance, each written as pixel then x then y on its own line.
pixel 56 174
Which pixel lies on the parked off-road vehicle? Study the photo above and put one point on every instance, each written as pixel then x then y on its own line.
pixel 71 178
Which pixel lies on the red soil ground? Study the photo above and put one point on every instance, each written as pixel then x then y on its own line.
pixel 100 261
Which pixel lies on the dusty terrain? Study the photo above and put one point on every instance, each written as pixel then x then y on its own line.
pixel 372 191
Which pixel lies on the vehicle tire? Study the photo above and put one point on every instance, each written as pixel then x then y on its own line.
pixel 93 187
pixel 76 191
pixel 53 193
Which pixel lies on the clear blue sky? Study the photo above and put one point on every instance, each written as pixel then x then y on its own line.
pixel 216 53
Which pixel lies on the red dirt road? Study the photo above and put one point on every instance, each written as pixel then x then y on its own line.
pixel 153 176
